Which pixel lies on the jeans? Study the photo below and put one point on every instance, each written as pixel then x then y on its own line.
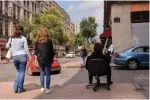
pixel 83 59
pixel 20 62
pixel 45 68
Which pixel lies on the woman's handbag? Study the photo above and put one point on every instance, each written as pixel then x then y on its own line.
pixel 9 54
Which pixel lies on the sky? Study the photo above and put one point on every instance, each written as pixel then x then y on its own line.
pixel 80 9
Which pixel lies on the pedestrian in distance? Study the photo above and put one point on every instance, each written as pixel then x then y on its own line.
pixel 84 54
pixel 20 52
pixel 44 54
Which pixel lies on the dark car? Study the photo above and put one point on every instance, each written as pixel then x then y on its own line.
pixel 133 58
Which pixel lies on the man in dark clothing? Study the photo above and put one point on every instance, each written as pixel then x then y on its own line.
pixel 97 54
pixel 84 54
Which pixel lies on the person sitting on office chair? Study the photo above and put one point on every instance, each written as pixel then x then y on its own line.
pixel 98 54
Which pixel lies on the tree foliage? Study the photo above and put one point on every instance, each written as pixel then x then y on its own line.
pixel 88 28
pixel 51 18
pixel 79 40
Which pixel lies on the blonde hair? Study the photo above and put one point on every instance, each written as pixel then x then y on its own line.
pixel 42 35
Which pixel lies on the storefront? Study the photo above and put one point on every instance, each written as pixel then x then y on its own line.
pixel 3 49
pixel 106 38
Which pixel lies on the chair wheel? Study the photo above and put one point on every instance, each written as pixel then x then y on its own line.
pixel 95 89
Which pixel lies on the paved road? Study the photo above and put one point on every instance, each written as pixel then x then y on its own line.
pixel 140 78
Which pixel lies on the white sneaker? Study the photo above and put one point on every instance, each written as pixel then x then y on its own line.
pixel 42 89
pixel 48 91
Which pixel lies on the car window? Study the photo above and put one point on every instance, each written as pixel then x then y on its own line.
pixel 138 50
pixel 146 49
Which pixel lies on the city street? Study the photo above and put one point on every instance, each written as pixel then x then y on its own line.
pixel 77 75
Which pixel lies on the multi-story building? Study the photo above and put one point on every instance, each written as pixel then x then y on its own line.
pixel 127 22
pixel 11 12
pixel 68 26
pixel 77 29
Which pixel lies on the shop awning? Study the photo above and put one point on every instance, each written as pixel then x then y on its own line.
pixel 106 34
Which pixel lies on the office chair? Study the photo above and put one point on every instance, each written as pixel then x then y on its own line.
pixel 97 68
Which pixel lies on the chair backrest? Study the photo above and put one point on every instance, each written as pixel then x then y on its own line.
pixel 97 66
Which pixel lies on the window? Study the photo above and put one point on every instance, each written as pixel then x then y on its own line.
pixel 6 7
pixel 14 9
pixel 146 49
pixel 28 15
pixel 28 4
pixel 0 7
pixel 24 14
pixel 6 27
pixel 117 20
pixel 138 50
pixel 33 7
pixel 139 17
pixel 24 3
pixel 18 12
pixel 1 26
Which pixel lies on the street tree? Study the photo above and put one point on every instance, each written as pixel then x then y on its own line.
pixel 88 28
pixel 79 40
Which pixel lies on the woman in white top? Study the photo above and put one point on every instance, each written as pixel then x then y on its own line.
pixel 20 52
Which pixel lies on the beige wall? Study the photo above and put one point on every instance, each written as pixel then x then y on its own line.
pixel 121 32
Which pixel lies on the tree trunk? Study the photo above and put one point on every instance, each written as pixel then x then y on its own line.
pixel 87 42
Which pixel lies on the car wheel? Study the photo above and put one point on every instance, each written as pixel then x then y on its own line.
pixel 132 64
pixel 30 72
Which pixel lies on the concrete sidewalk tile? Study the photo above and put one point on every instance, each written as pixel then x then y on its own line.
pixel 118 91
pixel 8 92
pixel 70 91
pixel 72 64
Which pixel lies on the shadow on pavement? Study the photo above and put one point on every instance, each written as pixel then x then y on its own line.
pixel 81 77
pixel 31 86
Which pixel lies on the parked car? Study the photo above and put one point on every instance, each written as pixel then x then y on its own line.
pixel 133 58
pixel 70 55
pixel 32 66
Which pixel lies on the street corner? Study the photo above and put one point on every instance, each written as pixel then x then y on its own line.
pixel 118 91
pixel 79 91
pixel 73 64
pixel 33 90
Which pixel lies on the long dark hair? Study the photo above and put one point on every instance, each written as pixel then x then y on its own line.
pixel 42 36
pixel 18 32
pixel 98 48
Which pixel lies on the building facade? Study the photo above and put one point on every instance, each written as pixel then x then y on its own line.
pixel 12 12
pixel 128 22
pixel 68 26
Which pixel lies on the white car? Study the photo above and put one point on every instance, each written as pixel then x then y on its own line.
pixel 70 55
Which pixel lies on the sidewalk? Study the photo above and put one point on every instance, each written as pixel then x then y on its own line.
pixel 73 64
pixel 71 91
